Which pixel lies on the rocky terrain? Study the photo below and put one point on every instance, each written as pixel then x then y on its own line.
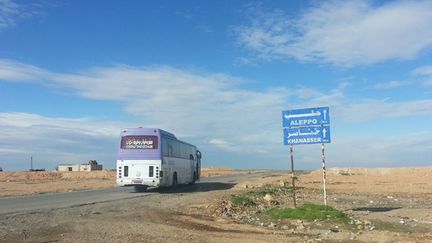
pixel 380 204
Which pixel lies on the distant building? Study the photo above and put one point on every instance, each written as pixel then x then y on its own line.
pixel 92 165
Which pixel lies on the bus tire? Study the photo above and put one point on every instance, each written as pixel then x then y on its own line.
pixel 175 181
pixel 193 179
pixel 140 188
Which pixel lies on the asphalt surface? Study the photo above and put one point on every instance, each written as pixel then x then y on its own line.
pixel 24 204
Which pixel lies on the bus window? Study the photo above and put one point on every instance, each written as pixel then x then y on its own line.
pixel 165 147
pixel 176 149
pixel 170 151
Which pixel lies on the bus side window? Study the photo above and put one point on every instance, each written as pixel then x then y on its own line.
pixel 176 149
pixel 170 151
pixel 165 147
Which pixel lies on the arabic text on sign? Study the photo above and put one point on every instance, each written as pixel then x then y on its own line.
pixel 309 132
pixel 306 117
pixel 303 115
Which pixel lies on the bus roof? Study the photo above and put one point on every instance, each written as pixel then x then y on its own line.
pixel 150 154
pixel 150 131
pixel 146 131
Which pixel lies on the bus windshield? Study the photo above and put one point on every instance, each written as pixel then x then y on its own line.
pixel 139 142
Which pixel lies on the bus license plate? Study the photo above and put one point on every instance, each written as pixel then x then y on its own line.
pixel 137 181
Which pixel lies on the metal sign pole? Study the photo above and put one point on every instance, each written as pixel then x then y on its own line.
pixel 324 175
pixel 293 176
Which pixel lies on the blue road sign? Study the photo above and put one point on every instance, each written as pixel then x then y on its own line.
pixel 306 117
pixel 307 135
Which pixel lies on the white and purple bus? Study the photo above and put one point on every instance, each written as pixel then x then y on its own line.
pixel 151 157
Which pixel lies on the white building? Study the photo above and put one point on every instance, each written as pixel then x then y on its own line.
pixel 92 165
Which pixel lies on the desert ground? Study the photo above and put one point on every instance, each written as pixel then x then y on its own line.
pixel 27 183
pixel 381 205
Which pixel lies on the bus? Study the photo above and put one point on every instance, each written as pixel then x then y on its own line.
pixel 152 157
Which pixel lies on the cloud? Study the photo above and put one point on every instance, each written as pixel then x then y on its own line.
pixel 191 103
pixel 212 110
pixel 195 102
pixel 56 140
pixel 8 10
pixel 391 85
pixel 187 14
pixel 83 126
pixel 204 28
pixel 341 33
pixel 425 72
pixel 12 12
pixel 411 149
pixel 347 110
pixel 223 144
pixel 18 72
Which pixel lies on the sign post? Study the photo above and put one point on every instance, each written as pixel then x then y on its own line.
pixel 324 174
pixel 307 126
pixel 293 176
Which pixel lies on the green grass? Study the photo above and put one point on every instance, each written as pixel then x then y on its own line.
pixel 241 200
pixel 308 212
pixel 247 198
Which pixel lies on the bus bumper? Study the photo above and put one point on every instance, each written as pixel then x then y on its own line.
pixel 138 182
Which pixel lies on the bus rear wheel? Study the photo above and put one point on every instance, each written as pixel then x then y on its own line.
pixel 140 188
pixel 175 182
pixel 193 179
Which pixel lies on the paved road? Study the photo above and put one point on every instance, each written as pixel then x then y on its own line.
pixel 69 199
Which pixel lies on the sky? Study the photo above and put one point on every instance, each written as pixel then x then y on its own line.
pixel 217 74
